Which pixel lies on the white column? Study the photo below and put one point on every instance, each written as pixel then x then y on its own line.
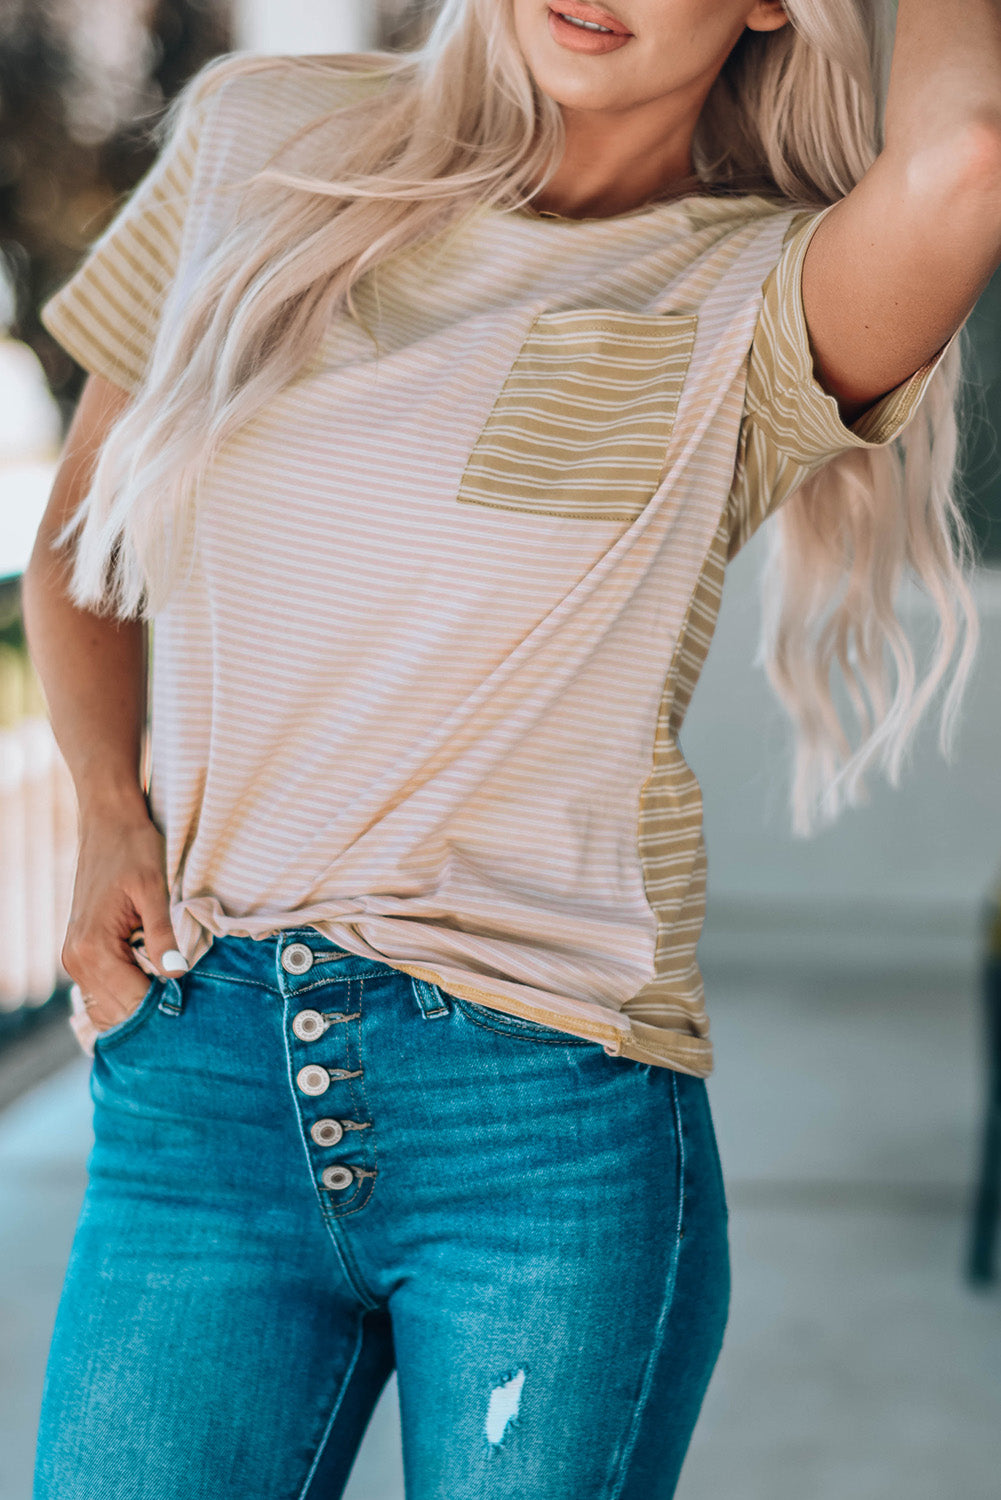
pixel 305 25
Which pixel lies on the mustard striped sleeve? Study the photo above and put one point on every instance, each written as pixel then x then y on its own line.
pixel 106 316
pixel 791 425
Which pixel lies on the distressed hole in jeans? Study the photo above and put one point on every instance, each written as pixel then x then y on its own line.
pixel 505 1400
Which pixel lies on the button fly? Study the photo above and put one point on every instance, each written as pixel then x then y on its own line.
pixel 308 1025
pixel 297 958
pixel 337 1177
pixel 326 1132
pixel 313 1079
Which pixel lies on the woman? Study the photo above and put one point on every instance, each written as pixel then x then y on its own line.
pixel 429 398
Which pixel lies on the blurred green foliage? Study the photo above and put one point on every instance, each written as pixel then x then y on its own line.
pixel 980 424
pixel 57 190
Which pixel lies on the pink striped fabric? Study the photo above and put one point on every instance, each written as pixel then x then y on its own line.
pixel 424 687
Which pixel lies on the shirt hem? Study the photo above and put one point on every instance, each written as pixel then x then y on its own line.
pixel 641 1043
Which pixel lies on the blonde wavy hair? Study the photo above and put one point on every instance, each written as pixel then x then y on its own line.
pixel 794 113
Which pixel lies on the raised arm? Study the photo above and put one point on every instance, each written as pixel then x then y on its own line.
pixel 93 672
pixel 896 267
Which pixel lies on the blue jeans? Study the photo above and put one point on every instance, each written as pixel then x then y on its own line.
pixel 308 1170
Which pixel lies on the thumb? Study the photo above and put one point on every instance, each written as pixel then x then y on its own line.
pixel 158 935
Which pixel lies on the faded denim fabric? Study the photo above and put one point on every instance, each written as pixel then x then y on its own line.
pixel 309 1169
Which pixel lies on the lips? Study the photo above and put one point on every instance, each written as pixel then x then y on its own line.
pixel 591 13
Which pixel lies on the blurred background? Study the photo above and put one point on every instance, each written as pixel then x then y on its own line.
pixel 854 979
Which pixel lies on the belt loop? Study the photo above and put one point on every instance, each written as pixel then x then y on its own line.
pixel 172 999
pixel 430 998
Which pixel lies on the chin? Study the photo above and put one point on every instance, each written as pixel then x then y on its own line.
pixel 576 87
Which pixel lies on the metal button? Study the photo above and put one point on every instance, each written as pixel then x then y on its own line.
pixel 313 1079
pixel 337 1177
pixel 326 1132
pixel 297 958
pixel 308 1025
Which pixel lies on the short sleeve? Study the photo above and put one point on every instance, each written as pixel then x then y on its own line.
pixel 106 316
pixel 791 425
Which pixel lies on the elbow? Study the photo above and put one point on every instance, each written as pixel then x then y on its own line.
pixel 963 162
pixel 29 578
pixel 45 569
pixel 40 559
pixel 979 166
pixel 29 598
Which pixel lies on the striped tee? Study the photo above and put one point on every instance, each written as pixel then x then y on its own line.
pixel 454 587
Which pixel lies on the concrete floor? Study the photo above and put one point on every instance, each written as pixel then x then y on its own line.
pixel 856 1363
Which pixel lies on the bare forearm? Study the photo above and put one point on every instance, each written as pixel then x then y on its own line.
pixel 946 71
pixel 92 667
pixel 93 672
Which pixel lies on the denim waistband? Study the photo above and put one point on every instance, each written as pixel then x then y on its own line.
pixel 295 959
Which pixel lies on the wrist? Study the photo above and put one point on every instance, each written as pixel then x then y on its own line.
pixel 123 804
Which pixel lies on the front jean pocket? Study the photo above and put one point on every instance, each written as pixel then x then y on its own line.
pixel 507 1025
pixel 583 422
pixel 133 1021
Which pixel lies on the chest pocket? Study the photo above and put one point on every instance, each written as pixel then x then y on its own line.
pixel 582 424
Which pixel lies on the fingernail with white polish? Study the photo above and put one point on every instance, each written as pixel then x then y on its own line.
pixel 174 962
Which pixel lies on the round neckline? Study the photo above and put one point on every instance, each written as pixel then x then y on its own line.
pixel 687 203
pixel 527 211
